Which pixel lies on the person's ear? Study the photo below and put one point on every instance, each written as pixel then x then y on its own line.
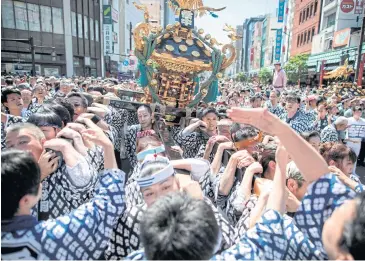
pixel 272 164
pixel 292 185
pixel 332 163
pixel 43 140
pixel 5 104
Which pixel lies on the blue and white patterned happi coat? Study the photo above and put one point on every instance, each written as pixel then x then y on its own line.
pixel 266 240
pixel 305 232
pixel 83 234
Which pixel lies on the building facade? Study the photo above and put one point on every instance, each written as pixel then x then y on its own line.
pixel 288 30
pixel 248 50
pixel 66 35
pixel 306 23
pixel 239 48
pixel 338 38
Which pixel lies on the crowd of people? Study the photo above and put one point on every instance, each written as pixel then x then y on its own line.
pixel 265 172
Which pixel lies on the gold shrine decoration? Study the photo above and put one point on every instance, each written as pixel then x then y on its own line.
pixel 189 4
pixel 230 60
pixel 184 65
pixel 141 30
pixel 341 71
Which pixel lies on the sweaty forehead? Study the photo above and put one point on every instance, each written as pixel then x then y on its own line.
pixel 142 110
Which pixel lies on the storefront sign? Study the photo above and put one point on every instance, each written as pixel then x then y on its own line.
pixel 347 6
pixel 281 11
pixel 107 14
pixel 278 40
pixel 359 7
pixel 115 15
pixel 108 39
pixel 342 37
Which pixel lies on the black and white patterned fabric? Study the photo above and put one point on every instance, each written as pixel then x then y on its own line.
pixel 125 236
pixel 11 119
pixel 81 235
pixel 114 119
pixel 191 143
pixel 265 241
pixel 278 110
pixel 66 189
pixel 320 125
pixel 329 134
pixel 130 142
pixel 207 184
pixel 300 122
pixel 201 153
pixel 243 223
pixel 95 157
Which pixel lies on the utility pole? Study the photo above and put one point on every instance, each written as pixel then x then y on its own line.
pixel 130 36
pixel 359 50
pixel 32 50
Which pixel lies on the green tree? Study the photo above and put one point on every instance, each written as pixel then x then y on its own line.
pixel 241 77
pixel 296 66
pixel 265 75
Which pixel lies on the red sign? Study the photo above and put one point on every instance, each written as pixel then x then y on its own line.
pixel 347 6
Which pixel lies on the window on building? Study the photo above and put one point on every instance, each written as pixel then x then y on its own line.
pixel 46 19
pixel 74 24
pixel 86 27
pixel 307 12
pixel 79 25
pixel 91 29
pixel 315 7
pixel 21 20
pixel 309 35
pixel 300 17
pixel 303 17
pixel 331 20
pixel 305 38
pixel 7 14
pixel 97 30
pixel 33 17
pixel 301 39
pixel 57 20
pixel 311 10
pixel 313 31
pixel 298 40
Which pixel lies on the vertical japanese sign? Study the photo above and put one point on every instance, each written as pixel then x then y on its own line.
pixel 278 40
pixel 108 29
pixel 107 14
pixel 281 11
pixel 108 39
pixel 359 6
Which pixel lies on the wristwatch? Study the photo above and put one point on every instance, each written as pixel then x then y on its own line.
pixel 95 119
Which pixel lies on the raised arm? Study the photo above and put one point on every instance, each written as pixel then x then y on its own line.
pixel 267 122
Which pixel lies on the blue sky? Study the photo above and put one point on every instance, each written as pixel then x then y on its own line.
pixel 235 13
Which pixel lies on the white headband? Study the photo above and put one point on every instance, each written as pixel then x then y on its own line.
pixel 156 178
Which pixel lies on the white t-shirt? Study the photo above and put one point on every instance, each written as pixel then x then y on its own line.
pixel 356 129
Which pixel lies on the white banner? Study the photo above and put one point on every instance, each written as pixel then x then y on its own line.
pixel 108 39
